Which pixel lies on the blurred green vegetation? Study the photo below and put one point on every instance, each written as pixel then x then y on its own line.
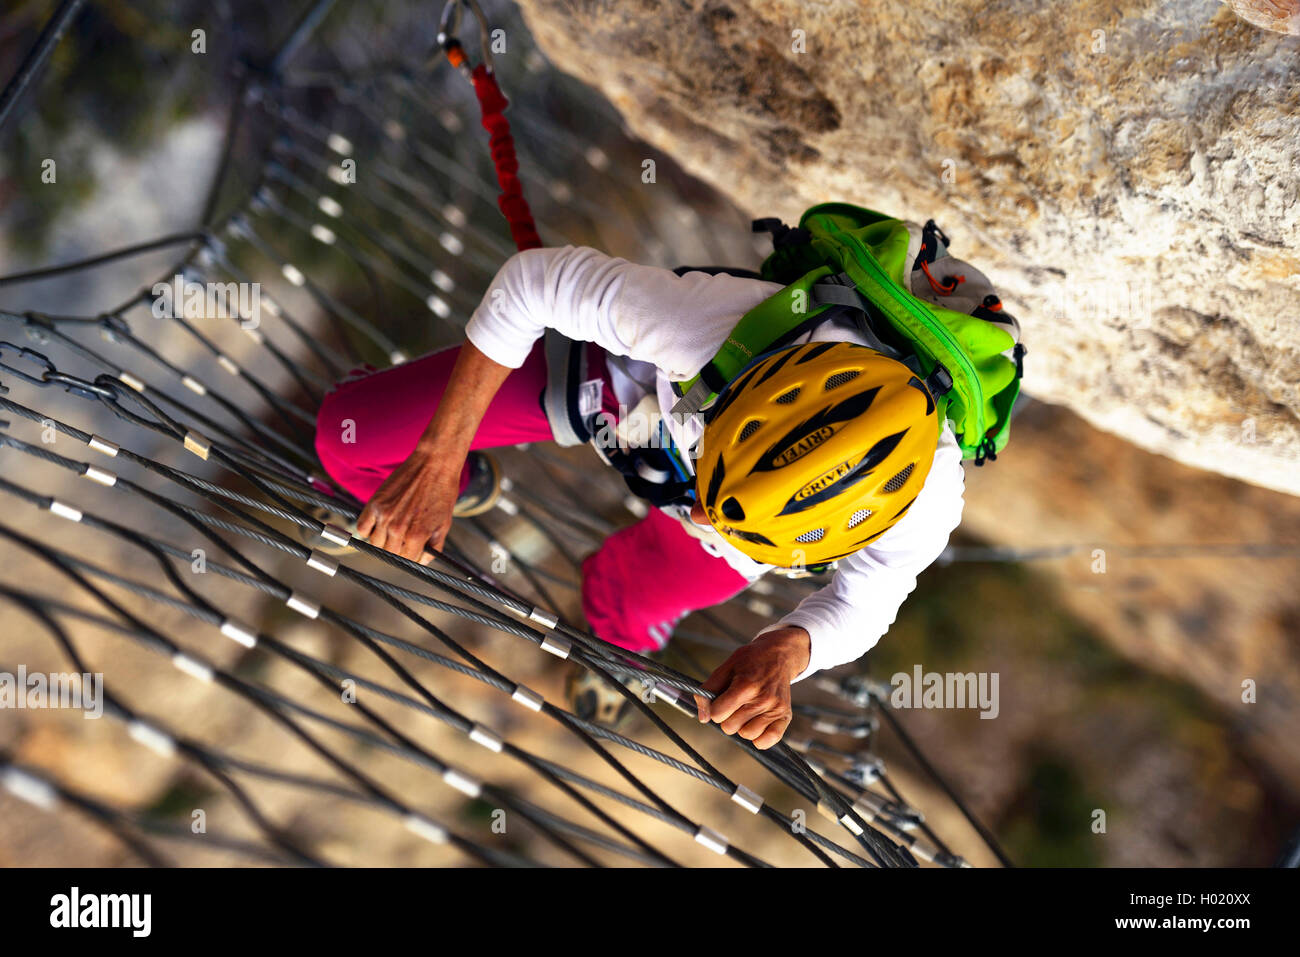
pixel 181 799
pixel 1044 825
pixel 1012 619
pixel 115 58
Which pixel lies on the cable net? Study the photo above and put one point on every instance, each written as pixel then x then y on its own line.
pixel 325 702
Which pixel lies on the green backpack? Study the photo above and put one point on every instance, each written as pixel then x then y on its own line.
pixel 846 258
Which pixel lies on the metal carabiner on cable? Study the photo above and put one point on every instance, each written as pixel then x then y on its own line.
pixel 31 355
pixel 50 375
pixel 451 46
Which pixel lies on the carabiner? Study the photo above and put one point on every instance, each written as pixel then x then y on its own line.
pixel 50 375
pixel 33 356
pixel 451 46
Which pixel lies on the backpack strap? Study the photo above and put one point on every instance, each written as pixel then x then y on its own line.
pixel 830 298
pixel 784 315
pixel 840 290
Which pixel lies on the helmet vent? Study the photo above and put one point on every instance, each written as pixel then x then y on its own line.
pixel 814 536
pixel 788 397
pixel 839 378
pixel 750 428
pixel 732 510
pixel 899 480
pixel 858 517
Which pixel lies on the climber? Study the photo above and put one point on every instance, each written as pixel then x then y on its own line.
pixel 826 449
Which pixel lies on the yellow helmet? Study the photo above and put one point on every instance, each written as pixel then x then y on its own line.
pixel 814 451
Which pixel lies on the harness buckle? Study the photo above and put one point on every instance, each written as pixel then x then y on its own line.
pixel 939 382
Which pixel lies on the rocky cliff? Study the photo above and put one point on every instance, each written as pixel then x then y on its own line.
pixel 1124 170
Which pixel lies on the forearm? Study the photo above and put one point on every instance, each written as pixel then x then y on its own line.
pixel 474 381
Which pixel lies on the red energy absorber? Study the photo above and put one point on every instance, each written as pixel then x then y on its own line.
pixel 514 207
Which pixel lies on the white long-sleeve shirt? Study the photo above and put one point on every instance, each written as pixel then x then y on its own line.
pixel 667 327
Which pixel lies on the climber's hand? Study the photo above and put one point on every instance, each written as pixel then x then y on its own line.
pixel 752 687
pixel 412 509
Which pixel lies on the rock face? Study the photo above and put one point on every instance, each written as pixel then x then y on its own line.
pixel 1124 171
pixel 1280 16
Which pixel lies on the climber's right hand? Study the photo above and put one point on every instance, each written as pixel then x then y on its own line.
pixel 411 512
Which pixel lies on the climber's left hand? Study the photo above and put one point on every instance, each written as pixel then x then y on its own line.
pixel 752 687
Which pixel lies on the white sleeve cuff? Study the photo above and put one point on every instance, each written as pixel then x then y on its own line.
pixel 827 646
pixel 497 343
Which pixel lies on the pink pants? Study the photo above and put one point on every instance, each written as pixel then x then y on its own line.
pixel 642 580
